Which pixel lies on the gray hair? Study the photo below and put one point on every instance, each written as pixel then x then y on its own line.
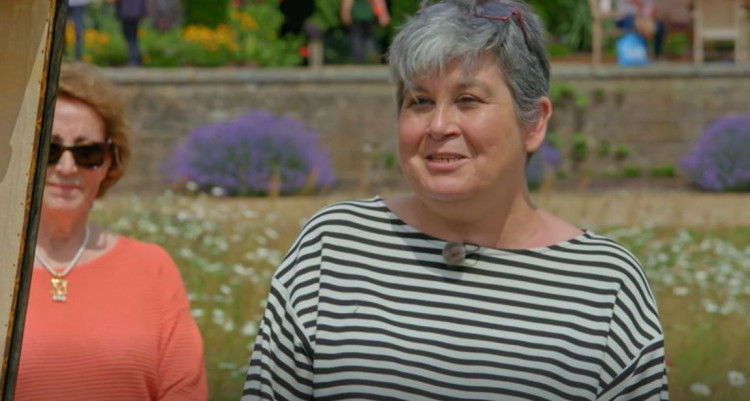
pixel 446 31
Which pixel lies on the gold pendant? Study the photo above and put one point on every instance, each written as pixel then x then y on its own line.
pixel 59 289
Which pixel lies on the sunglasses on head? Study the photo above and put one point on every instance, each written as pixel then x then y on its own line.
pixel 493 10
pixel 90 155
pixel 501 12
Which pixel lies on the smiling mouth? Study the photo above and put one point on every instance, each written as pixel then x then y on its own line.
pixel 63 186
pixel 444 158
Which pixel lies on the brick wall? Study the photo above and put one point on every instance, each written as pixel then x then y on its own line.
pixel 658 111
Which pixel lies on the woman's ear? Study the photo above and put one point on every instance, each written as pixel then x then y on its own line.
pixel 537 131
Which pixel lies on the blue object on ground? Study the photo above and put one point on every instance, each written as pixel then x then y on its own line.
pixel 631 50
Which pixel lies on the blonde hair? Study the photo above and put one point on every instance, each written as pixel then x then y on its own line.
pixel 82 82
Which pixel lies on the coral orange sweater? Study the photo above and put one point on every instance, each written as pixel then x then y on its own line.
pixel 124 333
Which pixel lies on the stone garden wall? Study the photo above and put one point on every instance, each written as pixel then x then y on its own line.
pixel 657 111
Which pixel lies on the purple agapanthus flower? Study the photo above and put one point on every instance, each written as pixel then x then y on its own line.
pixel 243 156
pixel 720 158
pixel 546 159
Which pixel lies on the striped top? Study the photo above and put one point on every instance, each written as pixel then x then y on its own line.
pixel 364 307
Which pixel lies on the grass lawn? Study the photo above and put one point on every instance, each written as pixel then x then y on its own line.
pixel 227 250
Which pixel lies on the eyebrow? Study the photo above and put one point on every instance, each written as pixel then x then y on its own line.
pixel 474 83
pixel 464 85
pixel 57 138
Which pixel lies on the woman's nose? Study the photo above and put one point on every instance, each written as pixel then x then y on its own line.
pixel 443 122
pixel 66 164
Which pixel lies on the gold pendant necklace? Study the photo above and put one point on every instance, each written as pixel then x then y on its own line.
pixel 59 284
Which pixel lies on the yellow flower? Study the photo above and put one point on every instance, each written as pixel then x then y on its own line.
pixel 91 36
pixel 70 33
pixel 248 22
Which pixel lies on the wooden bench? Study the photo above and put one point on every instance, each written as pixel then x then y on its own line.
pixel 721 21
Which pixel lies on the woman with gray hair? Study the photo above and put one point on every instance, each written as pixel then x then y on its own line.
pixel 462 289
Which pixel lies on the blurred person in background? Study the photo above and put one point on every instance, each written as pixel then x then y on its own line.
pixel 107 317
pixel 359 16
pixel 462 288
pixel 640 16
pixel 77 14
pixel 130 13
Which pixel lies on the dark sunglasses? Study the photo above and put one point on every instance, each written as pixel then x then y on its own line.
pixel 501 12
pixel 90 155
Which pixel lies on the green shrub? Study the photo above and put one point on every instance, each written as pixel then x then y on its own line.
pixel 579 147
pixel 599 95
pixel 604 149
pixel 262 46
pixel 210 13
pixel 677 44
pixel 622 152
pixel 559 91
pixel 582 100
pixel 557 50
pixel 663 171
pixel 553 138
pixel 632 172
pixel 163 48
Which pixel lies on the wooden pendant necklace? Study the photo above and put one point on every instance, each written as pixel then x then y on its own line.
pixel 59 284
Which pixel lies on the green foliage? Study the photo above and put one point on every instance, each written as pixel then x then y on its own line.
pixel 567 20
pixel 112 51
pixel 579 147
pixel 622 152
pixel 553 138
pixel 210 13
pixel 401 10
pixel 263 46
pixel 604 149
pixel 632 172
pixel 390 161
pixel 557 50
pixel 559 91
pixel 163 48
pixel 599 95
pixel 326 14
pixel 663 171
pixel 582 100
pixel 337 44
pixel 677 44
pixel 249 37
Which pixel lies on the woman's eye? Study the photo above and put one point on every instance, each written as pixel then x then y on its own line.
pixel 467 99
pixel 418 101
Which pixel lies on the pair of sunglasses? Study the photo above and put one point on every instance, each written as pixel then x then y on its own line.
pixel 501 12
pixel 493 10
pixel 90 155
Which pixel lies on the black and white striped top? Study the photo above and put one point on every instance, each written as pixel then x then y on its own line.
pixel 364 307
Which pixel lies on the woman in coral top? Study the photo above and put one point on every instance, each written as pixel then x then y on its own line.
pixel 107 317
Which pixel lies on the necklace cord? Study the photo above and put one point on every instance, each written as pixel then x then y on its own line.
pixel 72 263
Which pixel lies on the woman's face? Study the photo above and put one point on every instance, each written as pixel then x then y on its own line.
pixel 69 187
pixel 459 135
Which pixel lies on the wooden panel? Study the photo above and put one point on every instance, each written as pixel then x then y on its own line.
pixel 24 62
